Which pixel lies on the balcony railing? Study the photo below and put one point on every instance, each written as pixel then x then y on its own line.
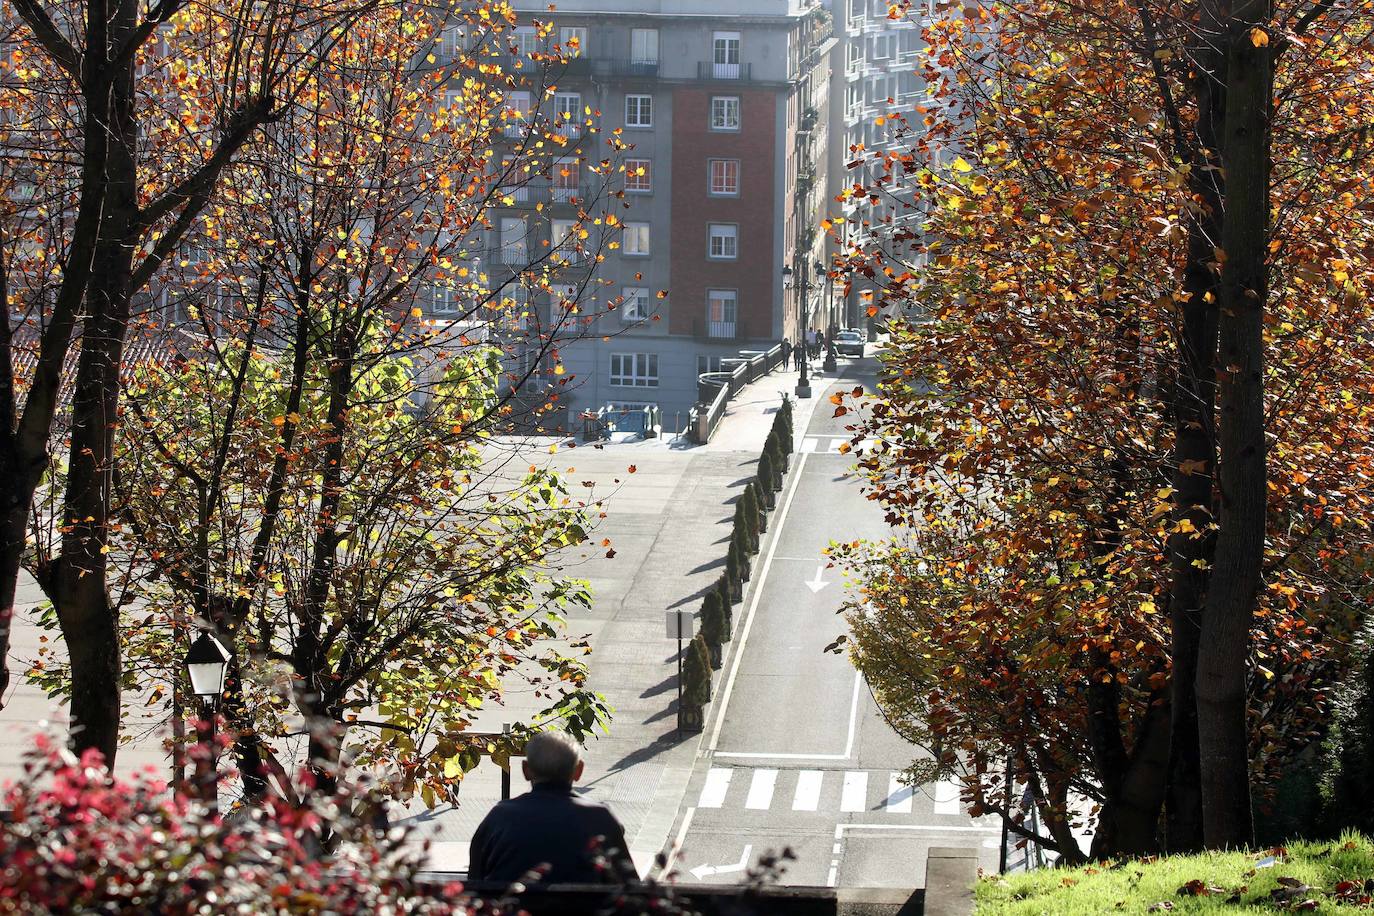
pixel 564 195
pixel 512 254
pixel 710 70
pixel 619 66
pixel 720 330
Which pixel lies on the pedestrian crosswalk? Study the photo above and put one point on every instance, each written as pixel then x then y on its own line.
pixel 835 445
pixel 844 791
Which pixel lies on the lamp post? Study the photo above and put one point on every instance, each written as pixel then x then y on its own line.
pixel 207 663
pixel 803 384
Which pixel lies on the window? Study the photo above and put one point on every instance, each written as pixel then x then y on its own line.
pixel 909 44
pixel 563 237
pixel 635 304
pixel 567 108
pixel 572 39
pixel 567 177
pixel 451 42
pixel 639 176
pixel 444 300
pixel 725 55
pixel 634 370
pixel 721 308
pixel 725 112
pixel 724 177
pixel 518 105
pixel 639 111
pixel 707 363
pixel 644 46
pixel 512 240
pixel 724 241
pixel 883 47
pixel 525 40
pixel 636 239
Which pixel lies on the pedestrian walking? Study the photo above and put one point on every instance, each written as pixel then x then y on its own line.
pixel 786 352
pixel 551 829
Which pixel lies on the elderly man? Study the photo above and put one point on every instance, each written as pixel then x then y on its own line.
pixel 550 829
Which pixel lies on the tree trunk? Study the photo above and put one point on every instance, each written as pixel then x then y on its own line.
pixel 1224 651
pixel 89 623
pixel 1194 458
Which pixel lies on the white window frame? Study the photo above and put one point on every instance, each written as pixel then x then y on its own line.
pixel 635 303
pixel 566 188
pixel 644 46
pixel 633 370
pixel 632 180
pixel 568 32
pixel 514 250
pixel 567 107
pixel 563 238
pixel 525 38
pixel 725 48
pixel 445 300
pixel 639 104
pixel 723 190
pixel 721 108
pixel 518 100
pixel 630 239
pixel 727 235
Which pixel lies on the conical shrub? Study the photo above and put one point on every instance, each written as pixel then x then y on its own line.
pixel 696 674
pixel 726 600
pixel 713 627
pixel 767 479
pixel 756 520
pixel 740 545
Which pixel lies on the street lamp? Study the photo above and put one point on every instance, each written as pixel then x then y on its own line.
pixel 207 663
pixel 803 385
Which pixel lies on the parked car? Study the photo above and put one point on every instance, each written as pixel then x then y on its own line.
pixel 849 343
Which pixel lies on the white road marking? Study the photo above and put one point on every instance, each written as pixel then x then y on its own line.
pixel 854 797
pixel 848 744
pixel 717 784
pixel 899 796
pixel 762 575
pixel 817 583
pixel 761 790
pixel 808 795
pixel 928 828
pixel 678 840
pixel 702 871
pixel 946 797
pixel 809 444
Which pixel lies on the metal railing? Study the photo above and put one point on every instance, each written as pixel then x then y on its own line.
pixel 710 70
pixel 720 330
pixel 716 389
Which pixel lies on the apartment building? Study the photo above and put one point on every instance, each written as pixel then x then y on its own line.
pixel 877 71
pixel 726 108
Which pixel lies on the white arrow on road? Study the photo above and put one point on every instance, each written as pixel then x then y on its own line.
pixel 704 871
pixel 817 583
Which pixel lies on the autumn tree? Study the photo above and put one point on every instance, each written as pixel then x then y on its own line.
pixel 121 119
pixel 314 475
pixel 1130 235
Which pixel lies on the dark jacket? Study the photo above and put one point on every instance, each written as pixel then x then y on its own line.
pixel 550 826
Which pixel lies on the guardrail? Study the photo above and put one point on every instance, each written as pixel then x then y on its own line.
pixel 715 389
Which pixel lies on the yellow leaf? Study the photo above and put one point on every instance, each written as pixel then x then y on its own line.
pixel 959 165
pixel 1259 37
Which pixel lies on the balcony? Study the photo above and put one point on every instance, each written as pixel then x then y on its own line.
pixel 710 70
pixel 513 253
pixel 720 330
pixel 563 195
pixel 619 66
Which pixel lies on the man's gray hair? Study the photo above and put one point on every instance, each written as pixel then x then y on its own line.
pixel 552 757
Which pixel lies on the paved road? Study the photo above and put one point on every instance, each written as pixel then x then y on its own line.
pixel 798 755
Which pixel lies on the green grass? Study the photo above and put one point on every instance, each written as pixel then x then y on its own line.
pixel 1236 884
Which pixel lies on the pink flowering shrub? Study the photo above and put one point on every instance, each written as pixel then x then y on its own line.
pixel 79 840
